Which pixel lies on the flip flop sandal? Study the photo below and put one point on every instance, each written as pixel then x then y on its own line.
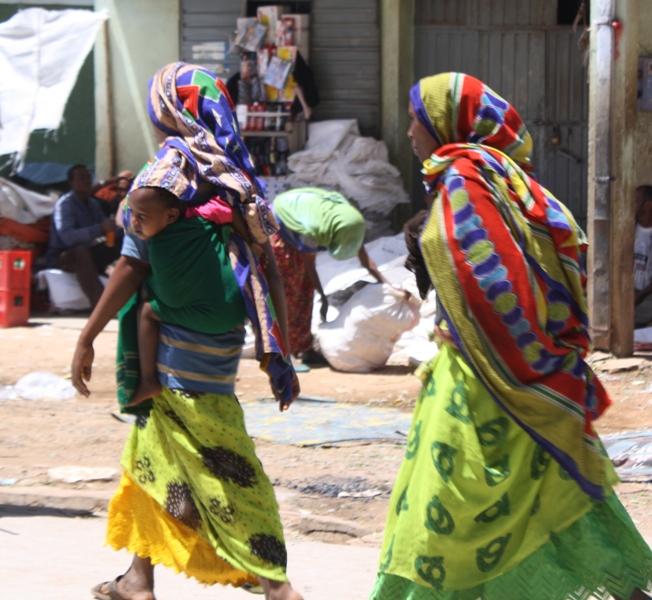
pixel 113 593
pixel 253 589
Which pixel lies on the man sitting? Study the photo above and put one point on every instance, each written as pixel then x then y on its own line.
pixel 78 235
pixel 643 257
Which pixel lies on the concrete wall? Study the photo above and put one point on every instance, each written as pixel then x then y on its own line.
pixel 139 38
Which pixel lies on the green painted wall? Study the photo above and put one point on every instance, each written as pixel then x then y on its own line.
pixel 143 36
pixel 74 141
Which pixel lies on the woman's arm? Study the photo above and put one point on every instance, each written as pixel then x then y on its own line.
pixel 310 259
pixel 276 290
pixel 126 278
pixel 370 265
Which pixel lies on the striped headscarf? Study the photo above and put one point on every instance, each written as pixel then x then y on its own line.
pixel 508 262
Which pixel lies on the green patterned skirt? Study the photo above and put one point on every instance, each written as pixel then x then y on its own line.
pixel 194 495
pixel 480 511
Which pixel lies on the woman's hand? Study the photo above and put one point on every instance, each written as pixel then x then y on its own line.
pixel 82 366
pixel 445 336
pixel 296 390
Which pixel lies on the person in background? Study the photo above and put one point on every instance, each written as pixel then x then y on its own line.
pixel 505 491
pixel 313 220
pixel 81 235
pixel 112 191
pixel 643 257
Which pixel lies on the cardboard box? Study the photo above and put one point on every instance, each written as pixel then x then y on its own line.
pixel 269 15
pixel 301 33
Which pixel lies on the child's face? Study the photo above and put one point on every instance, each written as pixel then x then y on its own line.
pixel 149 215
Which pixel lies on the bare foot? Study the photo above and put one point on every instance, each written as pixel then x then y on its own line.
pixel 277 590
pixel 129 588
pixel 146 389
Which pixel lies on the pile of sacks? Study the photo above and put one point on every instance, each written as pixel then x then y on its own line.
pixel 337 158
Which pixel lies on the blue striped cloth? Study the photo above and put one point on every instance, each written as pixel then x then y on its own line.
pixel 199 362
pixel 190 360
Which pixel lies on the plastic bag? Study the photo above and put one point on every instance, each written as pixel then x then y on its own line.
pixel 42 385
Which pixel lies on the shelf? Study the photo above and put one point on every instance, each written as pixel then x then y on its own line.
pixel 266 113
pixel 252 133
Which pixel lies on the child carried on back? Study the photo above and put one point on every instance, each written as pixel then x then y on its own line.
pixel 193 280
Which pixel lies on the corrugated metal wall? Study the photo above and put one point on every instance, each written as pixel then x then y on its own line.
pixel 516 48
pixel 344 52
pixel 209 21
pixel 345 58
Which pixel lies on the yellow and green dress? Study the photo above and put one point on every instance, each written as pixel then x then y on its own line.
pixel 505 492
pixel 193 494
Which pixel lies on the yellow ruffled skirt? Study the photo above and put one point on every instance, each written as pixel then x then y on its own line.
pixel 194 496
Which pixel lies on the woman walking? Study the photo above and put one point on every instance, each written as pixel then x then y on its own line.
pixel 193 495
pixel 505 492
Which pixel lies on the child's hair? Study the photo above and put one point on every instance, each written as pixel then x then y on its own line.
pixel 169 200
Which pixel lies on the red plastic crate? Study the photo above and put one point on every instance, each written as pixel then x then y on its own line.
pixel 15 269
pixel 14 307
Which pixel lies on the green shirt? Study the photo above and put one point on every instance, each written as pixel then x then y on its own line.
pixel 313 219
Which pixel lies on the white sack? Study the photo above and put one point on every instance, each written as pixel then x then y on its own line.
pixel 389 254
pixel 363 335
pixel 41 53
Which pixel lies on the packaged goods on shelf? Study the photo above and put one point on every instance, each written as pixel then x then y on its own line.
pixel 269 15
pixel 300 33
pixel 278 71
pixel 251 34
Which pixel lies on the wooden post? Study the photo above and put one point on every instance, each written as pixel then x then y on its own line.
pixel 624 122
pixel 600 171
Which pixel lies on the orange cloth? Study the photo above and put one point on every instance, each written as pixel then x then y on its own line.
pixel 36 233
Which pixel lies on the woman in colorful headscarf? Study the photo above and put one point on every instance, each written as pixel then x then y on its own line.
pixel 313 220
pixel 194 495
pixel 505 491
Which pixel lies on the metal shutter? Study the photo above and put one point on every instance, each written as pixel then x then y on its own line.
pixel 209 22
pixel 345 59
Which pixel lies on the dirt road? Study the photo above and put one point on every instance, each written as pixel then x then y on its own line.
pixel 312 484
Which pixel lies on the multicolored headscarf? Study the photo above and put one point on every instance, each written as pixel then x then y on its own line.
pixel 508 263
pixel 193 107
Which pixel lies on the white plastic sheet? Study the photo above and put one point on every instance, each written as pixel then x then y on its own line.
pixel 19 204
pixel 41 53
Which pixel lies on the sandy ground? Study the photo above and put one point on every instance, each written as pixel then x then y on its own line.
pixel 38 435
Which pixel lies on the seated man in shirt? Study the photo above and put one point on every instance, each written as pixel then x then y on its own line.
pixel 79 233
pixel 643 257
